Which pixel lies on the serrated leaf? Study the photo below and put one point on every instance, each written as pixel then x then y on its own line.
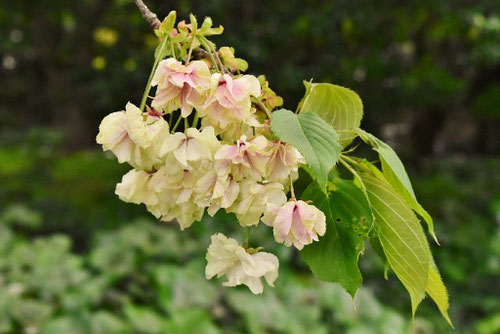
pixel 437 291
pixel 395 173
pixel 401 237
pixel 340 107
pixel 334 258
pixel 313 137
pixel 377 247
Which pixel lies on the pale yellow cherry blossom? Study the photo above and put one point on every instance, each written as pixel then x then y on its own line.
pixel 175 187
pixel 180 86
pixel 234 129
pixel 192 145
pixel 296 223
pixel 226 257
pixel 136 188
pixel 130 136
pixel 229 101
pixel 216 191
pixel 253 199
pixel 246 158
pixel 284 162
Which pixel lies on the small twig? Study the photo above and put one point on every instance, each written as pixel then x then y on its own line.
pixel 147 14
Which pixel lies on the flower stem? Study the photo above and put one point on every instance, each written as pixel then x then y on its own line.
pixel 190 49
pixel 207 47
pixel 176 124
pixel 263 107
pixel 247 237
pixel 195 119
pixel 153 70
pixel 292 191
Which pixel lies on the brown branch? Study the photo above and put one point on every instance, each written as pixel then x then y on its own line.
pixel 152 19
pixel 147 14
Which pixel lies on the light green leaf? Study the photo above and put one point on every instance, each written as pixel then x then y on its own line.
pixel 396 175
pixel 377 247
pixel 340 107
pixel 167 25
pixel 194 23
pixel 437 291
pixel 313 137
pixel 401 237
pixel 334 258
pixel 207 30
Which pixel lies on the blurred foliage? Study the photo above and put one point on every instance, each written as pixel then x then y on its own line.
pixel 75 259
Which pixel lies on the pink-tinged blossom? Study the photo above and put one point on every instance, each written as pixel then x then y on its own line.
pixel 229 101
pixel 284 162
pixel 246 158
pixel 216 191
pixel 192 145
pixel 180 86
pixel 296 223
pixel 253 199
pixel 226 257
pixel 175 188
pixel 133 136
pixel 136 188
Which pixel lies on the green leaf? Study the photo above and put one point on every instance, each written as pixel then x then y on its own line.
pixel 194 23
pixel 207 30
pixel 334 258
pixel 401 237
pixel 396 175
pixel 340 107
pixel 167 25
pixel 377 247
pixel 437 291
pixel 351 203
pixel 313 137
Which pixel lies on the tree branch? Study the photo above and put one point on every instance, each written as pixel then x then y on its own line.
pixel 147 14
pixel 153 20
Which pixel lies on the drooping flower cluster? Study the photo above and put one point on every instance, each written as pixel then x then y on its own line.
pixel 226 257
pixel 230 161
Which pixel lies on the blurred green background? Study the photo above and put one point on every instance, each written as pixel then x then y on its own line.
pixel 75 259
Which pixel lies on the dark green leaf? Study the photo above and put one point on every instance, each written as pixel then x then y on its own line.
pixel 334 258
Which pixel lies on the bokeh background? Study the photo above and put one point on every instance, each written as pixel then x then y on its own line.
pixel 74 259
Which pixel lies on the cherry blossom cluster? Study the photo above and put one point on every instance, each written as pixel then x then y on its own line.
pixel 229 160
